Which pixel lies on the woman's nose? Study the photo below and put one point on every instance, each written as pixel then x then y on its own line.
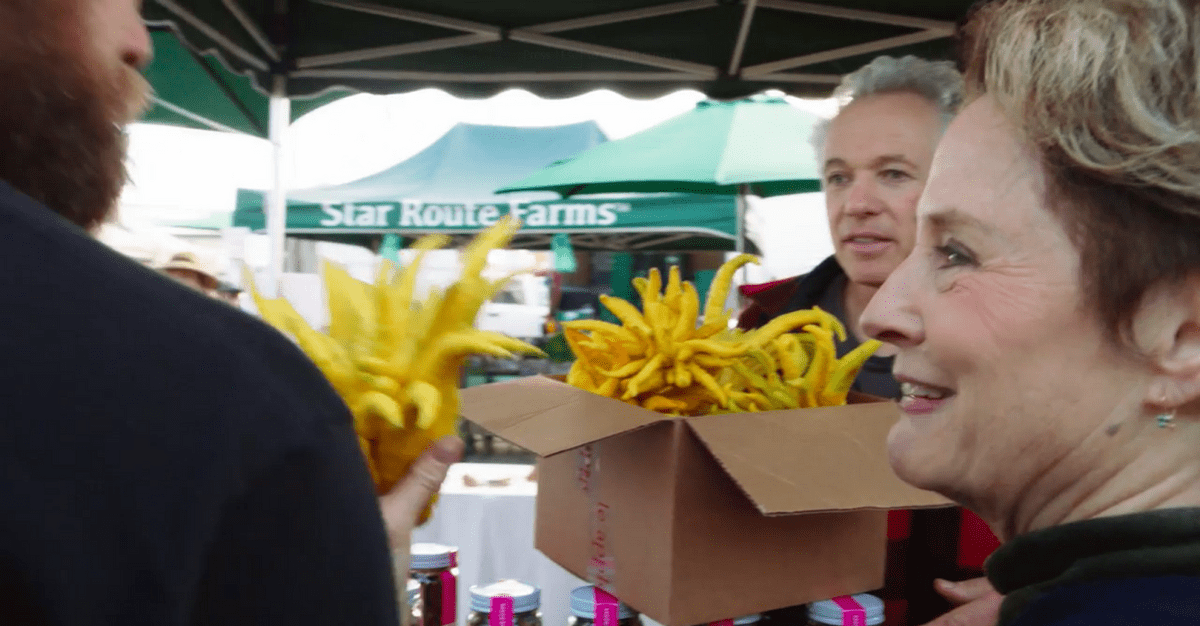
pixel 892 315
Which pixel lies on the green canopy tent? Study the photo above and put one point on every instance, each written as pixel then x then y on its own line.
pixel 192 90
pixel 759 146
pixel 725 48
pixel 447 188
pixel 662 223
pixel 643 48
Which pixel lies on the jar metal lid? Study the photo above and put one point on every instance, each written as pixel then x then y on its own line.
pixel 828 612
pixel 583 604
pixel 433 556
pixel 526 598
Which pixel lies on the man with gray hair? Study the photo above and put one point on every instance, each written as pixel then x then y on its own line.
pixel 875 155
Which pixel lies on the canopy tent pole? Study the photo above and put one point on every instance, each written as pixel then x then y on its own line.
pixel 743 204
pixel 743 192
pixel 280 117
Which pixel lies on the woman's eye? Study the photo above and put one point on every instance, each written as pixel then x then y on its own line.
pixel 954 256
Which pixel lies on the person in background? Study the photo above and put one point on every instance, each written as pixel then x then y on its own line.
pixel 183 267
pixel 230 293
pixel 1047 322
pixel 167 460
pixel 875 155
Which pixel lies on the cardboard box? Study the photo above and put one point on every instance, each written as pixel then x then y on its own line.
pixel 693 520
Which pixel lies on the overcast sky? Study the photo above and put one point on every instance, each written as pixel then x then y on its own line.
pixel 186 172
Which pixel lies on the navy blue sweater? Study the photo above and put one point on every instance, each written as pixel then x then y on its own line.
pixel 164 458
pixel 1130 570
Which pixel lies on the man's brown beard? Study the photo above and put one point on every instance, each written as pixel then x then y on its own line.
pixel 62 110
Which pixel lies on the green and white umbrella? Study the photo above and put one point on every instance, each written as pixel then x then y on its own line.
pixel 757 146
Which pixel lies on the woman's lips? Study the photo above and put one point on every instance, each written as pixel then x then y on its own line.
pixel 916 405
pixel 919 399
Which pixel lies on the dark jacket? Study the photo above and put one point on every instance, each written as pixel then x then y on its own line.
pixel 770 300
pixel 165 458
pixel 823 287
pixel 922 545
pixel 1129 570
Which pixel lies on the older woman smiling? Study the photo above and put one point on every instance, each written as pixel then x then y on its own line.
pixel 1048 320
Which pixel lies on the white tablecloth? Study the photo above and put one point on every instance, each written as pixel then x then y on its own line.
pixel 493 529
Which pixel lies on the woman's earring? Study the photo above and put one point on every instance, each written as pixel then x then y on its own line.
pixel 1166 420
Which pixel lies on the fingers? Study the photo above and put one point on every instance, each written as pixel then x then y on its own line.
pixel 981 611
pixel 404 503
pixel 963 591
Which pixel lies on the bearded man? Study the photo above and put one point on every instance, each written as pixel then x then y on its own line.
pixel 165 458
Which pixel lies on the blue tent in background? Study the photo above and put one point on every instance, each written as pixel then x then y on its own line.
pixel 448 188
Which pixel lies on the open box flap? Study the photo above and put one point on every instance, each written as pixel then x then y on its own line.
pixel 547 416
pixel 811 460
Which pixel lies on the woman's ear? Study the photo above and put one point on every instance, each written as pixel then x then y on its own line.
pixel 1166 331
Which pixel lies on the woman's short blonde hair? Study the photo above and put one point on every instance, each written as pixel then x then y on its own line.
pixel 1108 92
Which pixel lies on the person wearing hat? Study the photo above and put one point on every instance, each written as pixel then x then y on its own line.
pixel 229 292
pixel 184 268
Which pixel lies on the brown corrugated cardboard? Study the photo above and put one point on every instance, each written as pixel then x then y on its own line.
pixel 692 520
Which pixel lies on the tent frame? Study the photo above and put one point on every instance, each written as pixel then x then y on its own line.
pixel 548 35
pixel 269 57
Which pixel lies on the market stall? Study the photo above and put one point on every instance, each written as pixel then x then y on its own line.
pixel 727 49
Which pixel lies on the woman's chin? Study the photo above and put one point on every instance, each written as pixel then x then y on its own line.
pixel 910 460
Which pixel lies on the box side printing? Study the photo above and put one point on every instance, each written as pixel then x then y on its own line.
pixel 605 510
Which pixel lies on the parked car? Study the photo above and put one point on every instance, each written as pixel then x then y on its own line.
pixel 519 309
pixel 579 303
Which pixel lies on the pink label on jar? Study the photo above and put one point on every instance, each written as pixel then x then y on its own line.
pixel 449 598
pixel 607 608
pixel 853 613
pixel 502 611
pixel 724 622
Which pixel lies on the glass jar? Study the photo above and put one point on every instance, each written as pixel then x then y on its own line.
pixel 857 610
pixel 435 569
pixel 505 603
pixel 584 601
pixel 411 593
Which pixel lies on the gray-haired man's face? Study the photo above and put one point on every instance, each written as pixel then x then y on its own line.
pixel 876 158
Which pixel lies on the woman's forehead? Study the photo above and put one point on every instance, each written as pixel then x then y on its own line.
pixel 982 170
